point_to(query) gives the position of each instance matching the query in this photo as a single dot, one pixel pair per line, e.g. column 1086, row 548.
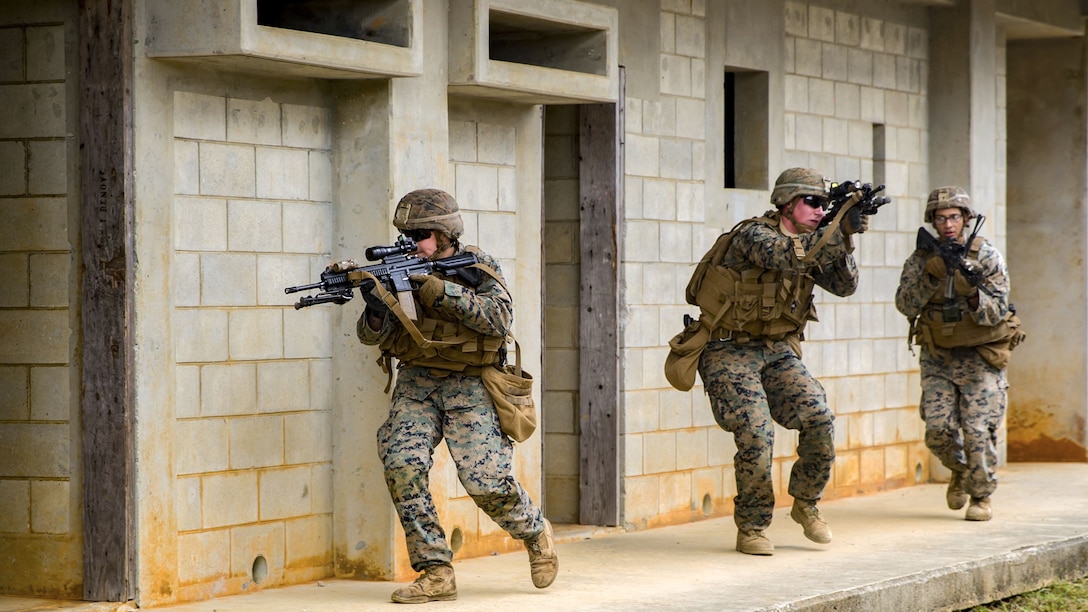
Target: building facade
column 173, row 429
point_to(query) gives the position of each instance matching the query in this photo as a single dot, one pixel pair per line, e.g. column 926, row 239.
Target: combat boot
column 754, row 542
column 436, row 583
column 808, row 516
column 543, row 558
column 956, row 496
column 979, row 510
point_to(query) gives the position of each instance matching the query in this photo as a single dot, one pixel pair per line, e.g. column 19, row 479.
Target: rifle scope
column 403, row 246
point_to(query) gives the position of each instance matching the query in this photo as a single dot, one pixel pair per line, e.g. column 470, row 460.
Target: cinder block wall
column 253, row 437
column 40, row 501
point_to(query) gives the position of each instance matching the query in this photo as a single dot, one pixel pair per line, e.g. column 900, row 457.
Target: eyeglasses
column 815, row 201
column 948, row 218
column 419, row 235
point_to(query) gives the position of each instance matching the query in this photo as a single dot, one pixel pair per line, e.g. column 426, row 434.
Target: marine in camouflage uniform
column 751, row 367
column 964, row 389
column 439, row 395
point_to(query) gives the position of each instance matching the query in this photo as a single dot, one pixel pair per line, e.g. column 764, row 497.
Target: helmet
column 795, row 182
column 429, row 209
column 948, row 197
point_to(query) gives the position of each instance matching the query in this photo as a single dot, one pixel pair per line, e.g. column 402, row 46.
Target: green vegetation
column 1059, row 597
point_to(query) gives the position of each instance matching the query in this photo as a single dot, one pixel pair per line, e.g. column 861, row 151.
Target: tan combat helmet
column 795, row 182
column 432, row 209
column 948, row 197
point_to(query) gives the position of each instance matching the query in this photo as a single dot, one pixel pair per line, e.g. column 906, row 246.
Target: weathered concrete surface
column 899, row 550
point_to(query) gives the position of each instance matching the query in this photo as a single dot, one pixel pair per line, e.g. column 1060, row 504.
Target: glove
column 374, row 303
column 431, row 289
column 854, row 222
column 965, row 280
column 935, row 267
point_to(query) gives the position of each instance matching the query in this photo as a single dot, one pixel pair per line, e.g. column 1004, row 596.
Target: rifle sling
column 850, row 203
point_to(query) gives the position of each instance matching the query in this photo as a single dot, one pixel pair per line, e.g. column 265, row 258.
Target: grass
column 1059, row 597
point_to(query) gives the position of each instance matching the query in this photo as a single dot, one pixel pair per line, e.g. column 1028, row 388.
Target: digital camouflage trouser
column 752, row 387
column 425, row 410
column 962, row 406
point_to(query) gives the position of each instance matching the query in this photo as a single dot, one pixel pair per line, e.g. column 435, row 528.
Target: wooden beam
column 600, row 400
column 105, row 140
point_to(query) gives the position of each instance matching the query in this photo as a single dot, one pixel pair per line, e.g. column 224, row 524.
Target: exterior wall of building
column 256, row 459
column 40, row 485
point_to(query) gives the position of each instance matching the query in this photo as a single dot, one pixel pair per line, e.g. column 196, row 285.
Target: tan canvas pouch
column 511, row 390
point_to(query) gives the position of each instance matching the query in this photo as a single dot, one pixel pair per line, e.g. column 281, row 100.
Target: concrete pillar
column 1048, row 224
column 962, row 101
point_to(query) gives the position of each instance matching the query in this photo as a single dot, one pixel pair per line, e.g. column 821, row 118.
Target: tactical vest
column 995, row 342
column 749, row 302
column 447, row 343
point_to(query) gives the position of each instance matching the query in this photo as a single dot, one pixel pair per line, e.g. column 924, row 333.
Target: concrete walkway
column 899, row 550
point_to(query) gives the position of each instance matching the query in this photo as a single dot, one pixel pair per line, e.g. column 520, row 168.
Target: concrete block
column 886, row 427
column 676, row 159
column 675, row 494
column 254, row 226
column 34, row 111
column 643, row 327
column 35, row 450
column 34, row 336
column 563, row 454
column 834, row 63
column 256, row 441
column 49, row 280
column 463, row 141
column 321, row 384
column 14, row 393
column 848, row 105
column 859, row 66
column 690, row 36
column 285, row 493
column 847, row 469
column 563, row 285
column 642, row 155
column 252, row 541
column 14, row 506
column 308, row 437
column 821, row 97
column 284, row 173
column 254, row 121
column 632, row 455
column 675, row 410
column 675, row 75
column 14, row 277
column 321, row 179
column 307, row 127
column 228, row 389
column 201, row 445
column 808, row 57
column 275, row 272
column 203, row 556
column 256, row 333
column 308, row 228
column 641, row 498
column 809, row 133
column 821, row 23
column 186, row 277
column 501, row 230
column 13, row 180
column 35, row 224
column 896, row 462
column 860, row 141
column 895, row 38
column 796, row 15
column 186, row 167
column 49, row 506
column 884, row 71
column 496, row 144
column 307, row 333
column 642, row 411
column 283, row 386
column 48, row 167
column 559, row 411
column 691, row 118
column 691, row 449
column 847, row 29
column 12, row 55
column 228, row 279
column 659, row 200
column 908, row 74
column 200, row 224
column 659, row 116
column 562, row 325
column 872, row 34
column 561, row 367
column 231, row 170
column 667, row 36
column 872, row 465
column 309, row 541
column 796, row 93
column 200, row 116
column 188, row 504
column 659, row 452
column 205, row 337
column 676, row 246
column 691, row 205
column 477, row 187
column 895, row 389
column 872, row 104
column 836, row 137
column 186, row 392
column 50, row 393
column 230, row 499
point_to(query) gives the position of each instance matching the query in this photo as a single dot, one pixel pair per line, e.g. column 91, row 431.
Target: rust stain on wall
column 1038, row 434
column 1045, row 448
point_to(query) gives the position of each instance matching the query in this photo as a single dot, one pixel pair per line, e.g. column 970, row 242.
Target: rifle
column 953, row 254
column 398, row 263
column 854, row 193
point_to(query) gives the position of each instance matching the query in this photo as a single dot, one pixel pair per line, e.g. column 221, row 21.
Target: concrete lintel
column 1029, row 19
